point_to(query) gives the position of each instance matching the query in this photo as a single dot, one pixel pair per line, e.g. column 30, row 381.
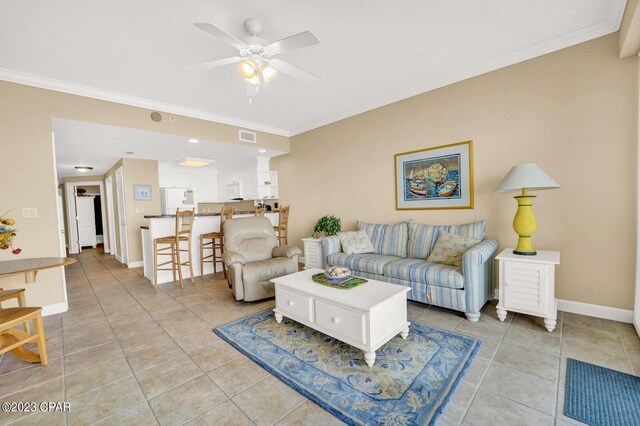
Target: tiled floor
column 126, row 353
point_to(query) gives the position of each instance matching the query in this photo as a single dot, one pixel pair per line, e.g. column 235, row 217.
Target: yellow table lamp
column 525, row 177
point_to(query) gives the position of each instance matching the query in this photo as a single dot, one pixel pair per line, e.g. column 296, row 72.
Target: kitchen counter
column 250, row 212
column 164, row 225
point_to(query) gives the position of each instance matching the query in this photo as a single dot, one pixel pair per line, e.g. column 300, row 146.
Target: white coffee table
column 366, row 317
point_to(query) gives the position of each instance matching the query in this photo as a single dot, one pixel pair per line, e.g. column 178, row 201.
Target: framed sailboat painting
column 435, row 178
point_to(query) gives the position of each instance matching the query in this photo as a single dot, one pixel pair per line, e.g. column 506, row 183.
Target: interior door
column 122, row 223
column 85, row 211
column 63, row 245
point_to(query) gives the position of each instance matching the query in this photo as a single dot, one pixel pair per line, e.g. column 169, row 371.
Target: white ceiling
column 101, row 146
column 371, row 52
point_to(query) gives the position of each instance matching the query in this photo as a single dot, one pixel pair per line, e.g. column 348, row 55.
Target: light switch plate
column 29, row 212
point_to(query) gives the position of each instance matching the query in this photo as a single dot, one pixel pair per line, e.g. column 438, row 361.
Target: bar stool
column 18, row 294
column 260, row 212
column 215, row 243
column 13, row 340
column 282, row 232
column 184, row 229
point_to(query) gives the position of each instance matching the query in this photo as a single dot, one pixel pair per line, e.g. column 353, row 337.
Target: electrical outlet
column 29, row 212
column 139, row 209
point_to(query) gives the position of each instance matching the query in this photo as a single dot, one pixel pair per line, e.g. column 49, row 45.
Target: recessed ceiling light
column 129, row 152
column 195, row 162
column 84, row 169
column 262, row 150
column 193, row 140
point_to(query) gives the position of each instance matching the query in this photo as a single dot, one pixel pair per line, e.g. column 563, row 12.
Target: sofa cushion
column 422, row 238
column 473, row 230
column 425, row 273
column 371, row 263
column 355, row 242
column 387, row 240
column 450, row 248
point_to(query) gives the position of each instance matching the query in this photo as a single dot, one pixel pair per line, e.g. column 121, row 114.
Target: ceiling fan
column 255, row 60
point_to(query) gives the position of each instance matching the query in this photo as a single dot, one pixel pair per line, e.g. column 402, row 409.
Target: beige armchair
column 253, row 257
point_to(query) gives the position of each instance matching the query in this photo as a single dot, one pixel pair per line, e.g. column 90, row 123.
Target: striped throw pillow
column 470, row 230
column 422, row 238
column 387, row 240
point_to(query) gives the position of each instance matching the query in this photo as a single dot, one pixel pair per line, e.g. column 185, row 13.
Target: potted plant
column 327, row 225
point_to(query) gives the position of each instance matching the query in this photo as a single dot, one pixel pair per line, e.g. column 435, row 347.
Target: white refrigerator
column 174, row 198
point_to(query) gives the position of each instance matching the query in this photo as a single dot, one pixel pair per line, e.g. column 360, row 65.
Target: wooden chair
column 260, row 212
column 14, row 340
column 184, row 229
column 18, row 294
column 216, row 243
column 283, row 225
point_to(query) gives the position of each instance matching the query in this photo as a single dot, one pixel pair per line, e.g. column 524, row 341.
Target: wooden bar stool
column 216, row 243
column 282, row 232
column 184, row 229
column 12, row 339
column 18, row 294
column 260, row 212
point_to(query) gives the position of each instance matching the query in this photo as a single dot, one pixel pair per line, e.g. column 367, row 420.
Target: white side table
column 312, row 253
column 527, row 285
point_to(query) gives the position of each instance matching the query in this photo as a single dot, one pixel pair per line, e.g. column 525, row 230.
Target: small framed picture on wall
column 142, row 192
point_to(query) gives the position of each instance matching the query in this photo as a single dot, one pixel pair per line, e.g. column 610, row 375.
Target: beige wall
column 139, row 172
column 574, row 112
column 25, row 132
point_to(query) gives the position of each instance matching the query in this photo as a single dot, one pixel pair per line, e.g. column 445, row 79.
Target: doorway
column 85, row 215
column 111, row 234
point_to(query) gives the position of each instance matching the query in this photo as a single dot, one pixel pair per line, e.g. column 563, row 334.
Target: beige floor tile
column 50, row 391
column 87, row 341
column 238, row 375
column 10, row 363
column 187, row 401
column 560, row 410
column 138, row 415
column 268, row 401
column 534, row 323
column 611, row 355
column 457, row 406
column 143, row 340
column 310, row 414
column 168, row 375
column 226, row 413
column 534, row 362
column 476, row 371
column 78, row 361
column 22, row 379
column 488, row 408
column 56, row 418
column 439, row 318
column 484, row 327
column 577, row 319
column 104, row 402
column 154, row 355
column 214, row 355
column 96, row 376
column 590, row 334
column 488, row 347
column 524, row 388
column 534, row 339
column 414, row 310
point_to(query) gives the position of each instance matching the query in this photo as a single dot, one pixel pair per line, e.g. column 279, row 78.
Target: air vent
column 248, row 136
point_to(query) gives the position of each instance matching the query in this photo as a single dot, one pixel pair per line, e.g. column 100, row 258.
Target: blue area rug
column 600, row 396
column 409, row 384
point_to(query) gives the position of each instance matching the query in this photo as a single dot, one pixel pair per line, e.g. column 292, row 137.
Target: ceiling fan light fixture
column 247, row 69
column 255, row 80
column 267, row 72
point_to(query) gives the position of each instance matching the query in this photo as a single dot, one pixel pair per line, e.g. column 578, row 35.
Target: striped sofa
column 399, row 253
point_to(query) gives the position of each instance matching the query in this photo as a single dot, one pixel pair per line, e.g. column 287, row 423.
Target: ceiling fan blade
column 217, row 32
column 294, row 71
column 293, row 42
column 215, row 64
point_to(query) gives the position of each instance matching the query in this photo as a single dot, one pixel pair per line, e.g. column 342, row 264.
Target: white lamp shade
column 529, row 176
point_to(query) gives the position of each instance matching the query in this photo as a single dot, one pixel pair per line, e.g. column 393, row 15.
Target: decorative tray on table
column 338, row 277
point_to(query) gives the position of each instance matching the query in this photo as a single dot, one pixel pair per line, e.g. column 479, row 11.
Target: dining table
column 29, row 268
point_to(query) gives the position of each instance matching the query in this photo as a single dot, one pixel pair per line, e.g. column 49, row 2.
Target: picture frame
column 435, row 178
column 142, row 192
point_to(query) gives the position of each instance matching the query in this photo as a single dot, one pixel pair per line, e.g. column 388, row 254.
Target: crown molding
column 120, row 98
column 600, row 29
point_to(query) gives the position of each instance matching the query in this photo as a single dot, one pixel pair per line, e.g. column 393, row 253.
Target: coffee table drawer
column 294, row 304
column 341, row 321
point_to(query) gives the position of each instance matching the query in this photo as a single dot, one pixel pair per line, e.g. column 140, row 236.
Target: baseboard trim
column 591, row 310
column 56, row 308
column 137, row 264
